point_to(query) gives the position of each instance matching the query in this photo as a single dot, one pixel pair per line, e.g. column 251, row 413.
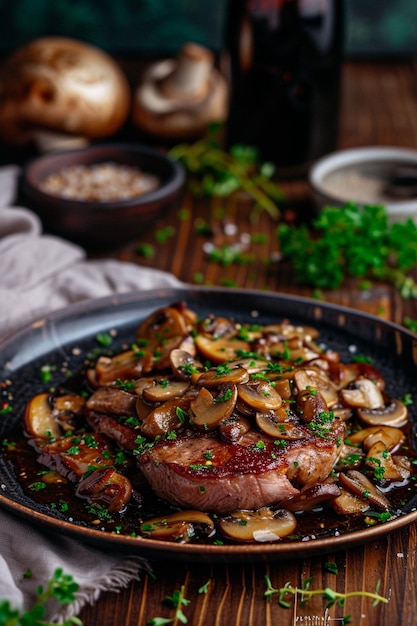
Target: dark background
column 151, row 28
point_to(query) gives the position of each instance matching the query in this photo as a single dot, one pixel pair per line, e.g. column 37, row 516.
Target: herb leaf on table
column 213, row 171
column 351, row 242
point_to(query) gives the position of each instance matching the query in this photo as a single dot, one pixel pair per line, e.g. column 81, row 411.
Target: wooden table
column 379, row 107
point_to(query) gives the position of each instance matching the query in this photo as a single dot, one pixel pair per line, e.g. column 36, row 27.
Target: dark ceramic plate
column 57, row 338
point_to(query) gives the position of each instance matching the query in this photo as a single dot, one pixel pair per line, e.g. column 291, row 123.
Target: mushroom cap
column 178, row 98
column 61, row 85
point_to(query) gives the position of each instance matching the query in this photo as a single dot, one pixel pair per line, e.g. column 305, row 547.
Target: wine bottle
column 285, row 60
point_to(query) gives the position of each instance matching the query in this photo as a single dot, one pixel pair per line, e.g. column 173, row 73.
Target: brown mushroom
column 38, row 419
column 311, row 497
column 263, row 525
column 184, row 364
column 56, row 88
column 363, row 393
column 178, row 98
column 106, row 487
column 359, row 485
column 128, row 365
column 223, row 374
column 166, row 418
column 310, row 403
column 380, row 461
column 260, row 396
column 310, row 378
column 391, row 437
column 219, row 350
column 179, row 527
column 393, row 413
column 163, row 388
column 209, row 411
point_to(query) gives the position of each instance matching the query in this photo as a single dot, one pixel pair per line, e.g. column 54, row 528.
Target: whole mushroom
column 178, row 98
column 55, row 87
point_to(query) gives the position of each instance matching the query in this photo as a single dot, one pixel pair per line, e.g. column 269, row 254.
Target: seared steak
column 202, row 472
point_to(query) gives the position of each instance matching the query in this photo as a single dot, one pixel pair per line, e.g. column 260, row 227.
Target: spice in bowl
column 99, row 182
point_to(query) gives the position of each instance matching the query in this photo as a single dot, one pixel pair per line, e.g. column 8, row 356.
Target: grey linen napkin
column 40, row 273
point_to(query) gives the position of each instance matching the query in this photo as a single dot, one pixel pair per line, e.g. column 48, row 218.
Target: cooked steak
column 202, row 472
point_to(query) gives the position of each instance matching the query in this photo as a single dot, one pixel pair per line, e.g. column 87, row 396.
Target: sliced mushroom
column 263, row 525
column 287, row 330
column 179, row 527
column 162, row 324
column 166, row 418
column 234, row 428
column 364, row 394
column 310, row 403
column 219, row 350
column 394, row 413
column 350, row 457
column 268, row 423
column 127, row 365
column 184, row 364
column 380, row 461
column 164, row 388
column 358, row 484
column 38, row 419
column 348, row 503
column 311, row 497
column 390, row 436
column 223, row 374
column 106, row 487
column 309, row 378
column 251, row 365
column 209, row 411
column 260, row 396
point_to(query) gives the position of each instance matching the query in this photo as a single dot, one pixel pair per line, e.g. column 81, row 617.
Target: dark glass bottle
column 285, row 71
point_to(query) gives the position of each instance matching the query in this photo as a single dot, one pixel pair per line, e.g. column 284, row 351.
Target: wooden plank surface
column 379, row 107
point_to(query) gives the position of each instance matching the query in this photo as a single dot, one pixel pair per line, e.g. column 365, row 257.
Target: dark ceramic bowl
column 98, row 224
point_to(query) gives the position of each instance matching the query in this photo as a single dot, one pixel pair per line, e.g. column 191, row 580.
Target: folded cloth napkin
column 40, row 273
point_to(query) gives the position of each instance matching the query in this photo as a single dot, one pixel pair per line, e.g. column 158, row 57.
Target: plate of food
column 214, row 424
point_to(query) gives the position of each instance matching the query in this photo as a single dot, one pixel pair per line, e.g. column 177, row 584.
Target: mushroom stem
column 190, row 79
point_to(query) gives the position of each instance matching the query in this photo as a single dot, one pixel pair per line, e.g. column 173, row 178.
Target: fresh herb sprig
column 352, row 241
column 61, row 586
column 213, row 171
column 304, row 593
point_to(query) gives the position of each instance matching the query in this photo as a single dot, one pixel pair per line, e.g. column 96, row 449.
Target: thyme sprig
column 331, row 596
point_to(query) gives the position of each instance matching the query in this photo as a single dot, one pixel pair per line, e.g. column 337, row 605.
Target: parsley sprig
column 61, row 586
column 213, row 171
column 352, row 242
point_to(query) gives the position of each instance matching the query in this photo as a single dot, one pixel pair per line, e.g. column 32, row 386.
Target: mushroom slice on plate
column 165, row 418
column 209, row 411
column 393, row 413
column 309, row 378
column 261, row 396
column 216, row 376
column 363, row 393
column 358, row 484
column 179, row 527
column 390, row 436
column 220, row 349
column 38, row 418
column 380, row 461
column 312, row 497
column 106, row 487
column 263, row 525
column 273, row 427
column 164, row 388
column 310, row 403
column 184, row 364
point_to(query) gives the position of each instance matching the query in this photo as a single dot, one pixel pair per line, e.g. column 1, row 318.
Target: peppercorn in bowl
column 103, row 195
